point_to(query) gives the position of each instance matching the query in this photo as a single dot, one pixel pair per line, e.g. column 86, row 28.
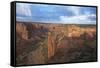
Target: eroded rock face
column 53, row 42
column 76, row 31
column 51, row 45
column 21, row 29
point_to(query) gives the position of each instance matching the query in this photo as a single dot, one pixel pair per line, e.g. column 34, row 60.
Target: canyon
column 40, row 43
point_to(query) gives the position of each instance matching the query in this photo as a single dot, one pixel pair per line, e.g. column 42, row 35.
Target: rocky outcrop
column 21, row 29
column 51, row 45
column 24, row 30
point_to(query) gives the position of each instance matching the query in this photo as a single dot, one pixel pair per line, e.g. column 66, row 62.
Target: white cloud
column 24, row 19
column 23, row 9
column 78, row 19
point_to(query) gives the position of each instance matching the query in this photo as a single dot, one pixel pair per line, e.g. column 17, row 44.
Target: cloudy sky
column 55, row 14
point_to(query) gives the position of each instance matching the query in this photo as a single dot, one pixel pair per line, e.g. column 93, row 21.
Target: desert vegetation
column 39, row 43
